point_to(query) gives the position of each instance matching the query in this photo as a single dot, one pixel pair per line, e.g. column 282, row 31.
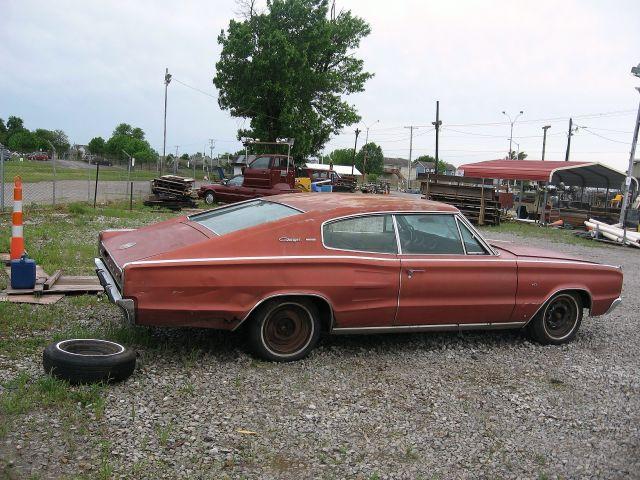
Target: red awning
column 581, row 174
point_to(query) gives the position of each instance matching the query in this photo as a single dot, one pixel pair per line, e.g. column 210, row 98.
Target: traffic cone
column 17, row 239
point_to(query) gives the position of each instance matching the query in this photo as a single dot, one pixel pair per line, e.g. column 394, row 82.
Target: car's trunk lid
column 149, row 241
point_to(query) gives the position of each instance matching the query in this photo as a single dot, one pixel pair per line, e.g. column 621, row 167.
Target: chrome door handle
column 411, row 271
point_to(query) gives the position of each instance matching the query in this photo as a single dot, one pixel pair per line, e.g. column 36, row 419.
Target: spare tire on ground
column 89, row 361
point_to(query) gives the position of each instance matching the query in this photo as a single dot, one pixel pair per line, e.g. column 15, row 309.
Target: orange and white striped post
column 17, row 239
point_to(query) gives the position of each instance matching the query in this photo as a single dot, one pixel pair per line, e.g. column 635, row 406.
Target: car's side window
column 471, row 244
column 429, row 234
column 261, row 162
column 372, row 233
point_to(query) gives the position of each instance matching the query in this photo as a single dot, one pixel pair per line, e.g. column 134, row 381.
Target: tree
column 131, row 140
column 3, row 132
column 97, row 146
column 23, row 141
column 443, row 166
column 184, row 156
column 286, row 68
column 57, row 138
column 14, row 125
column 123, row 129
column 340, row 156
column 517, row 156
column 374, row 156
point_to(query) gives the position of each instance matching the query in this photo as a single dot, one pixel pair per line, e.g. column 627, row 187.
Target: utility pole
column 355, row 146
column 167, row 80
column 212, row 144
column 175, row 161
column 569, row 135
column 511, row 132
column 437, row 124
column 366, row 151
column 411, row 129
column 626, row 199
column 544, row 139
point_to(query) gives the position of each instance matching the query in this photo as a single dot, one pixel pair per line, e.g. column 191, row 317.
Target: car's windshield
column 244, row 215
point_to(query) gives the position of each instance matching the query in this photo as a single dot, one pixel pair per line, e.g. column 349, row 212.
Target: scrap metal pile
column 173, row 192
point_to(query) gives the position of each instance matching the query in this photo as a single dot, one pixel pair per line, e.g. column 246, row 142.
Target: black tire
column 210, row 198
column 284, row 330
column 558, row 321
column 89, row 361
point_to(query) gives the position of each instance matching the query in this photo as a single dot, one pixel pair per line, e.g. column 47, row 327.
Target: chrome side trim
column 288, row 294
column 555, row 292
column 613, row 306
column 448, row 327
column 111, row 289
column 459, row 258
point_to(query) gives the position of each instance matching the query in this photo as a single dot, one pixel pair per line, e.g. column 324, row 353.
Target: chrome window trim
column 359, row 215
column 464, row 247
column 431, row 254
column 476, row 234
column 486, row 252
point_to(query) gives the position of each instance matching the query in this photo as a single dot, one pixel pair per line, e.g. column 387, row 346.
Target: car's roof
column 352, row 203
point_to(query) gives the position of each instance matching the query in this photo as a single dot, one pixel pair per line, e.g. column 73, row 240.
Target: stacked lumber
column 173, row 192
column 476, row 198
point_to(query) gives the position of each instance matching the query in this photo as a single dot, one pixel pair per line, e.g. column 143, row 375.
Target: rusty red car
column 266, row 175
column 288, row 267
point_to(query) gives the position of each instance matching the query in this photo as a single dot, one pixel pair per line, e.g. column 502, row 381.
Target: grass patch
column 41, row 171
column 24, row 394
column 525, row 230
column 66, row 237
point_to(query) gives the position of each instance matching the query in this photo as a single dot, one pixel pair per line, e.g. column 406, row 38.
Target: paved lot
column 472, row 405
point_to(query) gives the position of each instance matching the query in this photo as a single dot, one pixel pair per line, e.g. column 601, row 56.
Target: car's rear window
column 244, row 215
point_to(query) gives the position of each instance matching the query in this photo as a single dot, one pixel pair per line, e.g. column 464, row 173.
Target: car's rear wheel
column 559, row 320
column 284, row 330
column 210, row 198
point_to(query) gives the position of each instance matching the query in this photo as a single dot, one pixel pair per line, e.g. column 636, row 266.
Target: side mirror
column 243, row 169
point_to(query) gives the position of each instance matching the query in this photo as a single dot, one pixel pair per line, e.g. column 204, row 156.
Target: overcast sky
column 86, row 66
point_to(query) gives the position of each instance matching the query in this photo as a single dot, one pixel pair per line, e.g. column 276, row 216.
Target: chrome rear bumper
column 614, row 305
column 111, row 289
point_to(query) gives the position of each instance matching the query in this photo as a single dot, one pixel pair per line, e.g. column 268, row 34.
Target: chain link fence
column 57, row 181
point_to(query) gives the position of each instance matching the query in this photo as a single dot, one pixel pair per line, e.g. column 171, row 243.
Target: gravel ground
column 472, row 405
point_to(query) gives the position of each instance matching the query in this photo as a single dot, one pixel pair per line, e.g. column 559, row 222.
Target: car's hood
column 533, row 252
column 145, row 242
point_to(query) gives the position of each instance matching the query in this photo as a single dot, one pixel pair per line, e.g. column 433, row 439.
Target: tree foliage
column 18, row 138
column 443, row 166
column 340, row 156
column 97, row 146
column 517, row 155
column 131, row 140
column 286, row 69
column 3, row 132
column 374, row 158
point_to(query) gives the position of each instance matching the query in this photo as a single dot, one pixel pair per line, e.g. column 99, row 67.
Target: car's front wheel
column 284, row 330
column 210, row 198
column 559, row 320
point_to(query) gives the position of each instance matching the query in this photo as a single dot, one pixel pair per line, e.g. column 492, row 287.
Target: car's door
column 362, row 274
column 446, row 279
